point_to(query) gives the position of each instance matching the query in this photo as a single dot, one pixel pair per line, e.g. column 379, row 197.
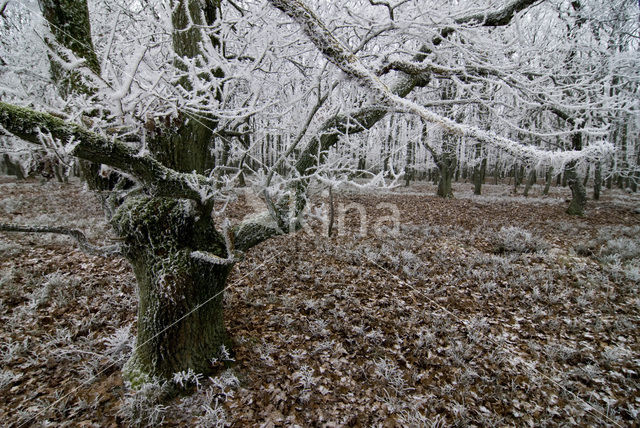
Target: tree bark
column 179, row 260
column 76, row 38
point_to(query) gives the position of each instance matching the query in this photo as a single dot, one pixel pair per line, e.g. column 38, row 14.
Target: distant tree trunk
column 578, row 193
column 531, row 179
column 516, row 178
column 635, row 178
column 521, row 175
column 478, row 176
column 547, row 181
column 12, row 168
column 586, row 176
column 362, row 164
column 332, row 213
column 446, row 164
column 597, row 181
column 241, row 179
column 409, row 160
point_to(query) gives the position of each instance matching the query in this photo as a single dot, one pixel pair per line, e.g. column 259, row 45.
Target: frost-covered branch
column 28, row 125
column 349, row 63
column 81, row 239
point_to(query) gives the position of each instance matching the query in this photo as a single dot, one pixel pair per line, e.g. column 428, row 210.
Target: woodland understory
column 492, row 310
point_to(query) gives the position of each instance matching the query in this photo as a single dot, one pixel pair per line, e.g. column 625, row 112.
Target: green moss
column 133, row 373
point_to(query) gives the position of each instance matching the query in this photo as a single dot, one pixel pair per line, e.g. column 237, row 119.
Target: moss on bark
column 180, row 313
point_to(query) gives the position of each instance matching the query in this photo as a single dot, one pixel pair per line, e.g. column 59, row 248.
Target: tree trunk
column 597, row 181
column 180, row 316
column 578, row 194
column 548, row 179
column 11, row 168
column 530, row 181
column 70, row 27
column 478, row 176
column 447, row 165
column 408, row 168
column 586, row 176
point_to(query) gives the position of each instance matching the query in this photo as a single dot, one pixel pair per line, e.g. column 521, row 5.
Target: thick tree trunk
column 173, row 250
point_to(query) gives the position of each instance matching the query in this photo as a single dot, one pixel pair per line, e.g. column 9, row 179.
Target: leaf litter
column 485, row 311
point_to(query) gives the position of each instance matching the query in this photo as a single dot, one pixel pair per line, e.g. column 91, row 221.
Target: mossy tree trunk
column 171, row 243
column 408, row 163
column 180, row 316
column 76, row 38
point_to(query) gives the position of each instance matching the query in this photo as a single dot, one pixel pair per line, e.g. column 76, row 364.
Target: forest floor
column 493, row 310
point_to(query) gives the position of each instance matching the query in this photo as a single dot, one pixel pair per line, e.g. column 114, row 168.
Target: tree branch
column 83, row 243
column 496, row 18
column 499, row 17
column 29, row 125
column 365, row 118
column 339, row 55
column 256, row 230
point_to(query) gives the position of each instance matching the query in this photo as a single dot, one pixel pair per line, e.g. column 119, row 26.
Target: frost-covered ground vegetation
column 484, row 311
